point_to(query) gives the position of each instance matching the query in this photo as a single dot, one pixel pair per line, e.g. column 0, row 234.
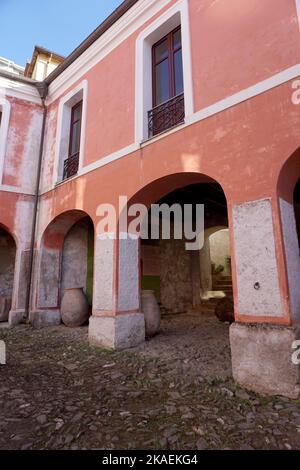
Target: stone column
column 17, row 313
column 262, row 338
column 117, row 322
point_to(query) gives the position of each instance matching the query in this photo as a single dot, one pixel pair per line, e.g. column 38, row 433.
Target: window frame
column 177, row 14
column 72, row 123
column 80, row 93
column 170, row 58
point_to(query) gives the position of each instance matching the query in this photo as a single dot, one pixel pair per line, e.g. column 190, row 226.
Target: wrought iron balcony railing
column 166, row 115
column 71, row 165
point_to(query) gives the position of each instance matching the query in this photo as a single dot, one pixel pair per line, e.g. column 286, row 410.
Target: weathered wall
column 256, row 263
column 49, row 148
column 176, row 279
column 230, row 146
column 261, row 359
column 254, row 40
column 74, row 258
column 16, row 214
column 150, row 256
column 22, row 152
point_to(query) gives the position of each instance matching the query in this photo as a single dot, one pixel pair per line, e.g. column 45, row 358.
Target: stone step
column 222, row 283
column 220, row 287
column 226, row 291
column 210, row 302
column 226, row 278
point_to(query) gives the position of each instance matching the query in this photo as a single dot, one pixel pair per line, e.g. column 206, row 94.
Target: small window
column 71, row 163
column 167, row 73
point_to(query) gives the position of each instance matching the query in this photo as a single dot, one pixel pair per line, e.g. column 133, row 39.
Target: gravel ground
column 173, row 392
column 193, row 344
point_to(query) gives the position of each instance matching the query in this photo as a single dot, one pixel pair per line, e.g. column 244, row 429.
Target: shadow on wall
column 7, row 269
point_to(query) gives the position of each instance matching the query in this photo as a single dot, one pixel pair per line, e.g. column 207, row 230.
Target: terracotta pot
column 151, row 311
column 74, row 307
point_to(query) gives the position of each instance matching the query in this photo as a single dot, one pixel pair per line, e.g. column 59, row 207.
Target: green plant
column 217, row 269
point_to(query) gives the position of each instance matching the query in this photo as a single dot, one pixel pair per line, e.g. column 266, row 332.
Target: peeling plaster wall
column 49, row 148
column 63, row 257
column 74, row 258
column 23, row 222
column 20, row 166
column 255, row 258
column 292, row 256
column 44, row 218
column 21, row 279
column 49, row 275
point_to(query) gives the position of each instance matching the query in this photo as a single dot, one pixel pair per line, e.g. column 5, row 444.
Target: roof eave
column 102, row 28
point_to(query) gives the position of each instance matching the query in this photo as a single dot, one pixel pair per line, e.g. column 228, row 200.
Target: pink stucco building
column 187, row 100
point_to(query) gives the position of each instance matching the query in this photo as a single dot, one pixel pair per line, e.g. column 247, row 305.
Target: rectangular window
column 72, row 162
column 167, row 77
column 167, row 68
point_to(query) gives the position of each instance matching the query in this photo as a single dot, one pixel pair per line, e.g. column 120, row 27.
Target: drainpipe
column 43, row 91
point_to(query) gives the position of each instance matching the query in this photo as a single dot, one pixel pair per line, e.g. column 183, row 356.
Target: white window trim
column 5, row 108
column 298, row 11
column 63, row 129
column 177, row 15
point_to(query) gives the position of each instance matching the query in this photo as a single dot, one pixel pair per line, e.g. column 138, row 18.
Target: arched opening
column 296, row 201
column 7, row 271
column 215, row 262
column 288, row 189
column 177, row 274
column 66, row 262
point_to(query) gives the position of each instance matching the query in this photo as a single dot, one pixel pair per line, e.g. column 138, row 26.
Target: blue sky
column 59, row 25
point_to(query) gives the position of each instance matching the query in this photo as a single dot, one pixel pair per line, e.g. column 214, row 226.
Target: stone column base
column 16, row 317
column 119, row 332
column 262, row 359
column 44, row 318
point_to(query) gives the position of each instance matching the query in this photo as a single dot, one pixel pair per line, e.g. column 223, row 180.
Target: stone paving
column 173, row 392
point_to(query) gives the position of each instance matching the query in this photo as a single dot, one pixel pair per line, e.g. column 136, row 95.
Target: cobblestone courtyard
column 173, row 392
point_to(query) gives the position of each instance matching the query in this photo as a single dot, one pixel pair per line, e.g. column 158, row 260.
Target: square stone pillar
column 117, row 322
column 262, row 358
column 262, row 339
column 258, row 286
column 17, row 313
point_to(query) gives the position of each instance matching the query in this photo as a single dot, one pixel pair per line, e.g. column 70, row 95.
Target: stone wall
column 74, row 258
column 176, row 279
column 7, row 264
